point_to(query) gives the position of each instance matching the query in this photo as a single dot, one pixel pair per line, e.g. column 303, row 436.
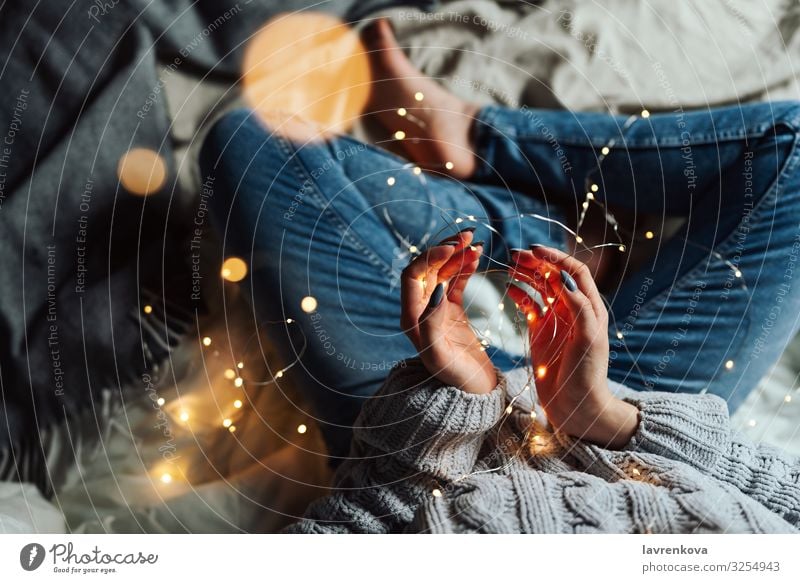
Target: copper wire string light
column 536, row 436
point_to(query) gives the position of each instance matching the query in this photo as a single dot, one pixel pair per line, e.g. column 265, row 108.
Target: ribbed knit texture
column 430, row 458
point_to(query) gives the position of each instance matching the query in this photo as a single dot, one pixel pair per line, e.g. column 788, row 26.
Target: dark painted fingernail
column 479, row 244
column 468, row 230
column 448, row 244
column 568, row 282
column 437, row 296
column 534, row 246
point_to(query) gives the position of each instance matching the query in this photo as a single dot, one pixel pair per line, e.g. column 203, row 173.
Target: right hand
column 569, row 348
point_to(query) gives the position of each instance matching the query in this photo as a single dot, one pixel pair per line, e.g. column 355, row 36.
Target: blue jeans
column 321, row 220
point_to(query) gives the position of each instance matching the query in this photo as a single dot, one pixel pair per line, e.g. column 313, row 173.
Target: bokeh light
column 306, row 75
column 142, row 171
column 308, row 304
column 233, row 269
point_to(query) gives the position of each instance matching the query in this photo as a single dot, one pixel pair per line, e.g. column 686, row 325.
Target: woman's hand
column 569, row 348
column 433, row 315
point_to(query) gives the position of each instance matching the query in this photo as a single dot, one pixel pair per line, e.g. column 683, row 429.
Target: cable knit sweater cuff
column 427, row 426
column 693, row 429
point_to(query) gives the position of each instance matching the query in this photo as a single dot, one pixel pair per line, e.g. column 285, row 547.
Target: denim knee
column 232, row 143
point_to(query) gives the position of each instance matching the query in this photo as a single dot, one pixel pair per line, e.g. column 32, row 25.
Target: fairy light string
column 534, row 440
column 536, row 436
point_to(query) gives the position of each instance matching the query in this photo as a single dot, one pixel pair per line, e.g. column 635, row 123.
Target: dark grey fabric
column 79, row 81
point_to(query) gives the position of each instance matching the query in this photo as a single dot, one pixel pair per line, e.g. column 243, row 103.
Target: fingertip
column 475, row 249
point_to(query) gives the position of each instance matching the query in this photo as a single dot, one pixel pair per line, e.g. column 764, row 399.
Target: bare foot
column 432, row 124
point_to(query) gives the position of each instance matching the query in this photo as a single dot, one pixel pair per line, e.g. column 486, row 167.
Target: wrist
column 483, row 385
column 618, row 427
column 611, row 423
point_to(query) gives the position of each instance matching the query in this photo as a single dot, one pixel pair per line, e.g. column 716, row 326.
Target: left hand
column 433, row 315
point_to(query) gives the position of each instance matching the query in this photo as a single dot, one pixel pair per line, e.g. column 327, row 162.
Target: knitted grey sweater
column 429, row 458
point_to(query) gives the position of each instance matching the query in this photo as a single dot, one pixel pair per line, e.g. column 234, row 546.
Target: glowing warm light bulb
column 233, row 269
column 279, row 374
column 229, row 374
column 308, row 304
column 649, row 235
column 541, row 371
column 729, row 364
column 227, row 422
column 148, row 309
column 232, row 428
column 509, row 410
column 413, row 249
column 645, row 114
column 547, row 274
column 390, row 181
column 141, row 171
column 636, row 472
column 533, row 414
column 302, row 428
column 161, row 401
column 585, row 204
column 402, row 111
column 240, row 365
column 501, row 306
column 184, row 416
column 578, row 239
column 417, row 170
column 594, row 188
column 289, row 320
column 459, row 220
column 788, row 398
column 419, row 96
column 551, row 300
column 399, row 135
column 449, row 165
column 619, row 334
column 436, row 493
column 530, row 317
column 207, row 341
column 589, row 196
column 737, row 273
column 752, row 423
column 605, row 150
column 237, row 404
column 166, row 478
column 238, row 382
column 621, row 248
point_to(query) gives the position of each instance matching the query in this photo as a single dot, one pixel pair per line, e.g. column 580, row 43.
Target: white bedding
column 615, row 55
